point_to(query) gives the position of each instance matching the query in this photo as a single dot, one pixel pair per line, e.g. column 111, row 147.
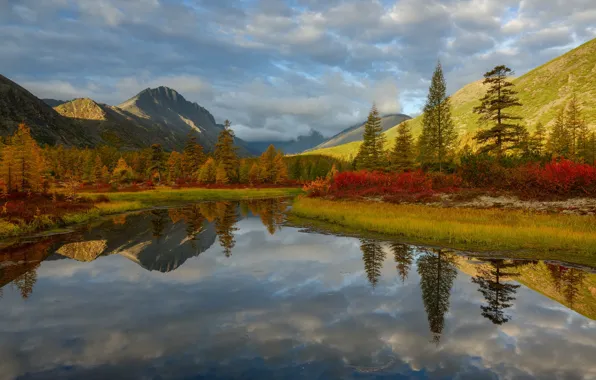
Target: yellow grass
column 474, row 229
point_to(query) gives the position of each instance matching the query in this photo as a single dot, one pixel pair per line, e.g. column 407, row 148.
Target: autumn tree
column 254, row 174
column 370, row 153
column 538, row 140
column 221, row 176
column 438, row 135
column 402, row 155
column 225, row 226
column 207, row 174
column 281, row 170
column 574, row 125
column 192, row 157
column 225, row 152
column 122, row 173
column 22, row 162
column 174, row 167
column 97, row 169
column 243, row 173
column 500, row 96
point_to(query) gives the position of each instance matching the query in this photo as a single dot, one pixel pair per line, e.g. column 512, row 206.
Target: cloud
column 266, row 64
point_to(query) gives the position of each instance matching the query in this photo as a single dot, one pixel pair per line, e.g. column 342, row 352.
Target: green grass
column 125, row 202
column 511, row 233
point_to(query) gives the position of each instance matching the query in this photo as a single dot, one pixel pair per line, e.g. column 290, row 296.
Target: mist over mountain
column 297, row 145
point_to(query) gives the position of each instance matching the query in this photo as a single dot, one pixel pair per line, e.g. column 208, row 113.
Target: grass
column 133, row 201
column 517, row 234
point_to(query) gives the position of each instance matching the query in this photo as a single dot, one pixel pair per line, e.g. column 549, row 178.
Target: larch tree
column 225, row 152
column 27, row 161
column 254, row 174
column 208, row 171
column 402, row 155
column 122, row 173
column 574, row 126
column 438, row 136
column 370, row 153
column 281, row 170
column 221, row 176
column 174, row 166
column 559, row 140
column 97, row 169
column 267, row 167
column 538, row 139
column 493, row 109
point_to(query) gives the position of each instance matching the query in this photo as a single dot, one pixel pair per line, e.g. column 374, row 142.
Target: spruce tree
column 438, row 135
column 402, row 155
column 156, row 162
column 499, row 97
column 370, row 154
column 538, row 140
column 225, row 152
column 573, row 124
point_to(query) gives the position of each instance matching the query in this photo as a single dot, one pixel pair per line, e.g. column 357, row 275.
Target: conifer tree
column 370, row 153
column 174, row 167
column 281, row 171
column 28, row 163
column 559, row 141
column 592, row 148
column 438, row 135
column 8, row 168
column 192, row 157
column 573, row 124
column 221, row 176
column 105, row 174
column 402, row 155
column 373, row 257
column 97, row 170
column 537, row 142
column 500, row 96
column 207, row 173
column 268, row 170
column 243, row 175
column 156, row 162
column 225, row 152
column 254, row 174
column 296, row 169
column 122, row 172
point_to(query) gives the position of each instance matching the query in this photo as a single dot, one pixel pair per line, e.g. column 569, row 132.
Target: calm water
column 222, row 290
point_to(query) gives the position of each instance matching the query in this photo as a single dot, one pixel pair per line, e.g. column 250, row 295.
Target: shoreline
column 507, row 233
column 125, row 202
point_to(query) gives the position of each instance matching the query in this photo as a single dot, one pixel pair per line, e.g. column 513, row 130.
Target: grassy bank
column 521, row 234
column 125, row 202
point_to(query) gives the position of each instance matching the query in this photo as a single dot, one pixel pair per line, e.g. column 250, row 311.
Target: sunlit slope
column 543, row 91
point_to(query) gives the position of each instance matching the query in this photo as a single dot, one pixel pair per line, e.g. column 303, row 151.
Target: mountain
column 297, row 145
column 165, row 109
column 542, row 91
column 18, row 105
column 355, row 132
column 54, row 102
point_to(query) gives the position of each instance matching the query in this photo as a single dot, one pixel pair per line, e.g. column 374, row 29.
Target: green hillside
column 543, row 91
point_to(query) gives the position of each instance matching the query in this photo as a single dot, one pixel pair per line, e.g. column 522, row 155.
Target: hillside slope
column 543, row 91
column 18, row 105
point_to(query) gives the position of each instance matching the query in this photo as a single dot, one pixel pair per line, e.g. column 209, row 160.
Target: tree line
column 502, row 138
column 27, row 167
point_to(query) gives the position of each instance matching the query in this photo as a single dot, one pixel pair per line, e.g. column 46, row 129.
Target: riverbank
column 513, row 233
column 96, row 205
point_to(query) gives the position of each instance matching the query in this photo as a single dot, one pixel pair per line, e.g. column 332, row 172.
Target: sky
column 278, row 69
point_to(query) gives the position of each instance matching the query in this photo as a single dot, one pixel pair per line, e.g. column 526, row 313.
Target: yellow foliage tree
column 221, row 176
column 207, row 174
column 122, row 173
column 23, row 164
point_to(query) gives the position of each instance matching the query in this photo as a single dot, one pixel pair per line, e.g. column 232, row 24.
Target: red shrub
column 566, row 178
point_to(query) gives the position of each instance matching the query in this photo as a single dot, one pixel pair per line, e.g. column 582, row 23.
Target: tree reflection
column 404, row 256
column 193, row 219
column 373, row 257
column 271, row 212
column 18, row 265
column 498, row 294
column 158, row 223
column 225, row 225
column 567, row 282
column 437, row 272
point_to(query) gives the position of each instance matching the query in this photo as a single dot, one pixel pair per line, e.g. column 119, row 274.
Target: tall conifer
column 225, row 152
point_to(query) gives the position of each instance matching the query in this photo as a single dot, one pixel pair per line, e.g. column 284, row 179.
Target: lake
column 227, row 290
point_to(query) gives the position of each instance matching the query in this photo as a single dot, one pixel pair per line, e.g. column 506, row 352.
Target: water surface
column 224, row 290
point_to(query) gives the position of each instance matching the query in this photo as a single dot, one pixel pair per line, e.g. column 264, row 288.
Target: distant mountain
column 54, row 102
column 298, row 145
column 355, row 132
column 172, row 113
column 154, row 116
column 18, row 105
column 542, row 91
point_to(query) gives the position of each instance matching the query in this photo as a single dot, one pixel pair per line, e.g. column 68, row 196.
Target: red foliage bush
column 392, row 186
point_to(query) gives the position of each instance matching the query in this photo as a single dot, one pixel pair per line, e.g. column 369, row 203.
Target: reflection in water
column 373, row 257
column 567, row 282
column 404, row 257
column 497, row 291
column 292, row 305
column 437, row 272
